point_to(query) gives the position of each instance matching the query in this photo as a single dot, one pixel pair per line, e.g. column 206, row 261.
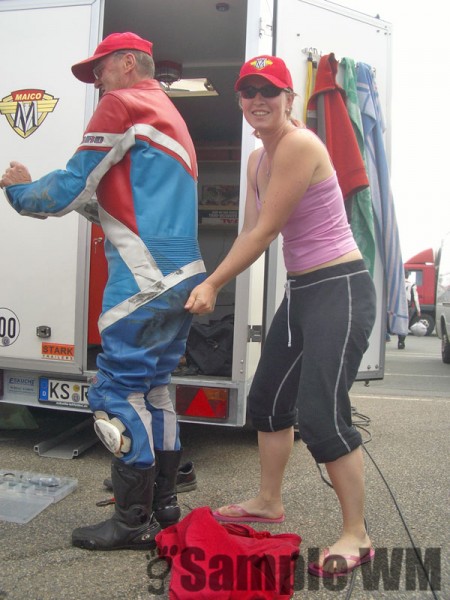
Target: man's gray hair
column 145, row 63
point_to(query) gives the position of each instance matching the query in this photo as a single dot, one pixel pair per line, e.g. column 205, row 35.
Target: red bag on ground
column 213, row 561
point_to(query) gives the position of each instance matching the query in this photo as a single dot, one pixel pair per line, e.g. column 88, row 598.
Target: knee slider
column 110, row 432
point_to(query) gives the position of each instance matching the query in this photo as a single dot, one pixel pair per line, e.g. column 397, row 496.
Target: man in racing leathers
column 138, row 157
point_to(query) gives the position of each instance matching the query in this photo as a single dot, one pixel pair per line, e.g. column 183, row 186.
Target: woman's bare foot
column 337, row 559
column 255, row 507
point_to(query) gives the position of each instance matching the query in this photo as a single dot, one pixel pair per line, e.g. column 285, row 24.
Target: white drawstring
column 287, row 287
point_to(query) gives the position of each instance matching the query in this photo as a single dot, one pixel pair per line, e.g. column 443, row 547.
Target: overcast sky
column 420, row 169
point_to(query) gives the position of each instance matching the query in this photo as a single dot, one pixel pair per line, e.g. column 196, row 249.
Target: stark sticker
column 58, row 351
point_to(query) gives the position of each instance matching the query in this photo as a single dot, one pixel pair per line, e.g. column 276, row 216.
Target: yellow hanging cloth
column 310, row 82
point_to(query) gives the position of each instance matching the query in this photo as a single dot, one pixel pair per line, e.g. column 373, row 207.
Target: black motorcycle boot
column 165, row 504
column 186, row 479
column 132, row 525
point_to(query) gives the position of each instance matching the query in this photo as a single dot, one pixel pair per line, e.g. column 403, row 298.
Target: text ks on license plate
column 66, row 393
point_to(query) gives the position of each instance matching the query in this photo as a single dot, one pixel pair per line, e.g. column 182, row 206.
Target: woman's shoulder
column 303, row 150
column 301, row 136
column 255, row 158
column 257, row 154
column 302, row 142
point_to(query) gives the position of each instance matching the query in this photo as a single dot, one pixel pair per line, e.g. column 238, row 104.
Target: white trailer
column 52, row 270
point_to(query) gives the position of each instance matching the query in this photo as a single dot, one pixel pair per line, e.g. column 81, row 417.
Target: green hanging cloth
column 362, row 220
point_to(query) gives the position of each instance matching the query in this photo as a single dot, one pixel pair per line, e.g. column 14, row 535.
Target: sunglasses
column 267, row 91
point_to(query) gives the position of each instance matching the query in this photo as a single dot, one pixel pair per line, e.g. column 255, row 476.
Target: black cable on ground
column 413, row 544
column 366, row 421
column 362, row 422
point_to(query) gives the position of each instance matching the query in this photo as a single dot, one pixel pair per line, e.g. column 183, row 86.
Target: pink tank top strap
column 263, row 153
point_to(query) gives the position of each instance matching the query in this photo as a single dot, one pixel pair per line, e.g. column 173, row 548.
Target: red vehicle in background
column 422, row 269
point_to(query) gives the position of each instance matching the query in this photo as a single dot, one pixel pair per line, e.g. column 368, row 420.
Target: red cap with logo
column 271, row 68
column 111, row 43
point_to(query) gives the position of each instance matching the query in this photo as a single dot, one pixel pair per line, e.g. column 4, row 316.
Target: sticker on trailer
column 9, row 327
column 64, row 393
column 21, row 384
column 26, row 110
column 58, row 351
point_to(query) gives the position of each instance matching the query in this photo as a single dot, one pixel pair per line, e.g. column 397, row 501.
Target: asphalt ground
column 405, row 421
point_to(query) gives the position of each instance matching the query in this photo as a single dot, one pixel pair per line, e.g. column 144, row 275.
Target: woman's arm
column 295, row 162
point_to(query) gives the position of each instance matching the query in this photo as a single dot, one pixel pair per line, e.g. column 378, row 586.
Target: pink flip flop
column 244, row 516
column 318, row 571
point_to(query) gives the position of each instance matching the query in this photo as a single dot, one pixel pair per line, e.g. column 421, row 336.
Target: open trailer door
column 43, row 111
column 314, row 28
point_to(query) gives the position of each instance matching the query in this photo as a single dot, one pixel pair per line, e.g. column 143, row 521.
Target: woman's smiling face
column 264, row 112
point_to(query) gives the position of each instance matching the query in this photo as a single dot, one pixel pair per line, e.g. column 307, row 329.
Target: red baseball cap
column 111, row 43
column 271, row 68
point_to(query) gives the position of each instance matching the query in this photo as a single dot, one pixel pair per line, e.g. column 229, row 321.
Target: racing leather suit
column 138, row 157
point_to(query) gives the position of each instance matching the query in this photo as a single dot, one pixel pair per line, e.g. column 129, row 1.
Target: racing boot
column 132, row 525
column 186, row 479
column 165, row 505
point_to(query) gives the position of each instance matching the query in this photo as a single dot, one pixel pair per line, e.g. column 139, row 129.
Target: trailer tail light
column 204, row 402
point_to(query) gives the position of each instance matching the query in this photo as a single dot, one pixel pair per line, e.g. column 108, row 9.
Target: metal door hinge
column 254, row 333
column 43, row 331
column 265, row 28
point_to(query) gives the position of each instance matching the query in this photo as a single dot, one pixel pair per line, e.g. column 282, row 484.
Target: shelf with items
column 218, row 217
column 218, row 154
column 219, row 205
column 218, row 186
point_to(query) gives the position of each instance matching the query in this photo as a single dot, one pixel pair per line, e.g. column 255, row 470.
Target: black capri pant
column 311, row 357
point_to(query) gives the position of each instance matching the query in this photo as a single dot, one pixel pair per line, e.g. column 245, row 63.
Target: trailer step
column 70, row 443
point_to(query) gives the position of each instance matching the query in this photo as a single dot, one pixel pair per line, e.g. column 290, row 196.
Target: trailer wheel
column 428, row 321
column 445, row 347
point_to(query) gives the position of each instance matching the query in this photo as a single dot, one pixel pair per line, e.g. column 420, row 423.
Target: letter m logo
column 26, row 118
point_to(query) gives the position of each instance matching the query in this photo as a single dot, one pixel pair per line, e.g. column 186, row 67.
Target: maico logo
column 261, row 63
column 26, row 110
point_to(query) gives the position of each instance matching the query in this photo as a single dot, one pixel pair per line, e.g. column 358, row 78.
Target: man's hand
column 16, row 173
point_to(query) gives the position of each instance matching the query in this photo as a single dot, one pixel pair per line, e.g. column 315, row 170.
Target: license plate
column 64, row 393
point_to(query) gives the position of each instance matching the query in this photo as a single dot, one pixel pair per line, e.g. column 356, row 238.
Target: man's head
column 119, row 61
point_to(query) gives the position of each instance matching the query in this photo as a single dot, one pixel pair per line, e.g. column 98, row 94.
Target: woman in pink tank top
column 320, row 332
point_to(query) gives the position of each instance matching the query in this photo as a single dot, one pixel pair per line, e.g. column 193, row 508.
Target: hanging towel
column 328, row 117
column 362, row 221
column 383, row 205
column 213, row 561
